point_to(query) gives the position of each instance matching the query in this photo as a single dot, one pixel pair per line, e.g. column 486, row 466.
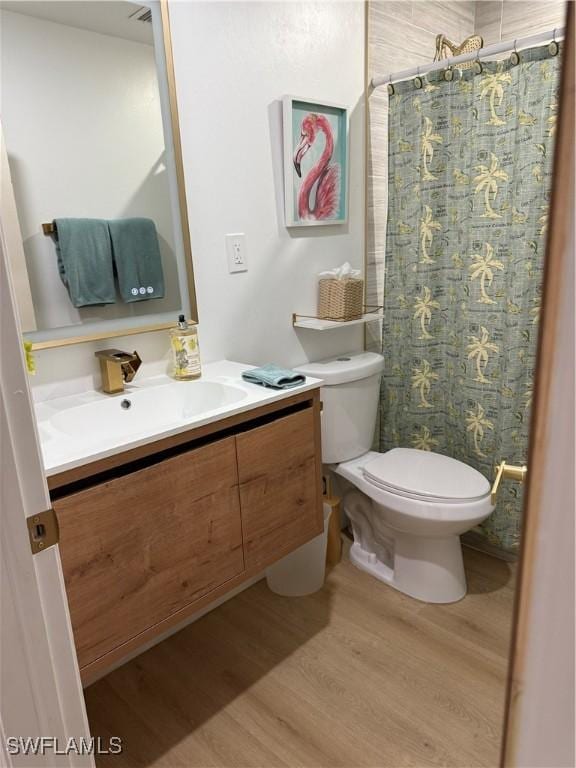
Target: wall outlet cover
column 236, row 252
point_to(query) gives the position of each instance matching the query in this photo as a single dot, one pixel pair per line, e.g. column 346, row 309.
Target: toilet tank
column 350, row 396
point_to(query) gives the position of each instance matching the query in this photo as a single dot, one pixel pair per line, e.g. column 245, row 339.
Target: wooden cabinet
column 280, row 494
column 146, row 543
column 139, row 548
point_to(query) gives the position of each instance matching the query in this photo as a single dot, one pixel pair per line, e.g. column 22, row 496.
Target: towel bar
column 49, row 228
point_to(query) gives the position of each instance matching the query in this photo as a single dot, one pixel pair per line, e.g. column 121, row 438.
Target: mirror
column 92, row 148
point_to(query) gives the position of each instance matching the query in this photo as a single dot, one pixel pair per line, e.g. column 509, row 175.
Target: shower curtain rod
column 490, row 50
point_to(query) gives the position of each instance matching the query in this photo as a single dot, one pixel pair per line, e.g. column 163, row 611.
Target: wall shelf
column 316, row 324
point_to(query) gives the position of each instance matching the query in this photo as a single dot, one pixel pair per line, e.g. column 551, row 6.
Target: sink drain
column 126, row 404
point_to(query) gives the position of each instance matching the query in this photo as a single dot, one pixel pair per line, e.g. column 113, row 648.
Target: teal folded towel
column 136, row 254
column 85, row 264
column 272, row 376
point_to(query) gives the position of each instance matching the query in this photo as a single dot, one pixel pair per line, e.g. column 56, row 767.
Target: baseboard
column 476, row 541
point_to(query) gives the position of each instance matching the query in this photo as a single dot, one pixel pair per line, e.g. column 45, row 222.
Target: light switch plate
column 236, row 252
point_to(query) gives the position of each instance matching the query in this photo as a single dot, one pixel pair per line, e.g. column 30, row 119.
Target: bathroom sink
column 88, row 425
column 144, row 411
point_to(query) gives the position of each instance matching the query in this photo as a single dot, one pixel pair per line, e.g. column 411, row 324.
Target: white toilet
column 407, row 507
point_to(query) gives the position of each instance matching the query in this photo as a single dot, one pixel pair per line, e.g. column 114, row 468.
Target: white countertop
column 83, row 428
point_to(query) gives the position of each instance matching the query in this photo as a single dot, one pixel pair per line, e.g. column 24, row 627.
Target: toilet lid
column 426, row 475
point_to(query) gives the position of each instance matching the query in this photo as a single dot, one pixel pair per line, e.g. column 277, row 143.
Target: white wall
column 83, row 129
column 234, row 62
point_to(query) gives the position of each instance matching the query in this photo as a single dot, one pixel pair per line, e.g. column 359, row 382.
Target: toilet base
column 426, row 568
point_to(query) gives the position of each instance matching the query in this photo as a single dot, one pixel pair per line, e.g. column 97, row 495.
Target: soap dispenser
column 185, row 350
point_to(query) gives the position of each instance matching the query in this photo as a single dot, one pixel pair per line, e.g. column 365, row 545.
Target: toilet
column 407, row 507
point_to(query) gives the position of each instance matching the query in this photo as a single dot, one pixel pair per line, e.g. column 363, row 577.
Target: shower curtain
column 469, row 186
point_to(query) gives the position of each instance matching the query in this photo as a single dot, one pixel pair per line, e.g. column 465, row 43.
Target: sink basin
column 84, row 426
column 144, row 411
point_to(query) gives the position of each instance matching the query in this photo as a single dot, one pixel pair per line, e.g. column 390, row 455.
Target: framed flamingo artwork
column 315, row 162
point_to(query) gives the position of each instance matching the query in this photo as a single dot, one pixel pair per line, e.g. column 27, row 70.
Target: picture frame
column 316, row 156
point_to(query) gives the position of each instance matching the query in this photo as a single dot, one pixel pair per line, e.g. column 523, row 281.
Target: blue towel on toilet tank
column 136, row 254
column 85, row 265
column 274, row 377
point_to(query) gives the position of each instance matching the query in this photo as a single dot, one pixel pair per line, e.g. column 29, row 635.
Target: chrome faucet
column 116, row 368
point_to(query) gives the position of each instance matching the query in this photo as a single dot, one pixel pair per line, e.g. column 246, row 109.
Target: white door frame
column 540, row 707
column 40, row 688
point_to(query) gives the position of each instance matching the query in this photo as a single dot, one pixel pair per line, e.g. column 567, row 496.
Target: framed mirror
column 91, row 157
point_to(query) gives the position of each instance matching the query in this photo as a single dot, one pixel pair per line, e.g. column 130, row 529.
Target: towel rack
column 49, row 228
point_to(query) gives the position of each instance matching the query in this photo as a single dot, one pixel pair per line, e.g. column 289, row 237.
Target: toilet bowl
column 407, row 519
column 407, row 507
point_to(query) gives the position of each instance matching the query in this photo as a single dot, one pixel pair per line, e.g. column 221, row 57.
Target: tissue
column 345, row 272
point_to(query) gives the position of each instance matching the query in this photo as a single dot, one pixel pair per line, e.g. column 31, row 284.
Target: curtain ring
column 515, row 56
column 553, row 48
column 418, row 79
column 390, row 87
column 478, row 65
column 448, row 74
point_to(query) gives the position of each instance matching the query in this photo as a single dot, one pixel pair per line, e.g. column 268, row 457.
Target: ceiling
column 107, row 17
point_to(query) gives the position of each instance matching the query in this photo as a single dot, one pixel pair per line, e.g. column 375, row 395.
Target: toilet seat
column 404, row 512
column 425, row 476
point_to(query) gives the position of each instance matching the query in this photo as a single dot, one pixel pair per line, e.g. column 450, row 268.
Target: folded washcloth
column 85, row 260
column 272, row 376
column 137, row 258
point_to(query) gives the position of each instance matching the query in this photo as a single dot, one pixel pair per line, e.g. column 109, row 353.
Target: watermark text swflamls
column 44, row 745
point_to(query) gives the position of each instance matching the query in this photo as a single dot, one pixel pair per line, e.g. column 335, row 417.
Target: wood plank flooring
column 355, row 675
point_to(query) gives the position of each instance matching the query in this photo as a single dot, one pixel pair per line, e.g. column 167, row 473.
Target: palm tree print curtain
column 469, row 184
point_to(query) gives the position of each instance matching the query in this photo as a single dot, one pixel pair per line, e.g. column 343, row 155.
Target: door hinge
column 43, row 530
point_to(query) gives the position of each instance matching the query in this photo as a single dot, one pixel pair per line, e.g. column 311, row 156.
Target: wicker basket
column 340, row 299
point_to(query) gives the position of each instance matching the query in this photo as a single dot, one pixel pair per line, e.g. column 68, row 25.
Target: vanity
column 176, row 493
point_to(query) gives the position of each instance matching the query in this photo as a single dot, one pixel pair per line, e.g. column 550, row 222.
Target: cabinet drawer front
column 140, row 547
column 279, row 472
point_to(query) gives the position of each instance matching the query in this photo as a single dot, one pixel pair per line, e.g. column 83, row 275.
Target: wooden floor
column 355, row 675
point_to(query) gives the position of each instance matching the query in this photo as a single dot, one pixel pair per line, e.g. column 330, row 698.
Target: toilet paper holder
column 506, row 471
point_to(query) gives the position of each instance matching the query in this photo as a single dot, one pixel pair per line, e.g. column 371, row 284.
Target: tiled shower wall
column 402, row 35
column 509, row 19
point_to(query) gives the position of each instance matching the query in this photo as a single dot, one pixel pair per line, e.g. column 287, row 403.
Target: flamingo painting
column 317, row 154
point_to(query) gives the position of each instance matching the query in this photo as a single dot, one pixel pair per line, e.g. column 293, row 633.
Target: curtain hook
column 390, row 87
column 515, row 56
column 448, row 74
column 553, row 48
column 478, row 64
column 418, row 79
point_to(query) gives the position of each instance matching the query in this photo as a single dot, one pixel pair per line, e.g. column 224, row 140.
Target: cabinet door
column 279, row 469
column 140, row 547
